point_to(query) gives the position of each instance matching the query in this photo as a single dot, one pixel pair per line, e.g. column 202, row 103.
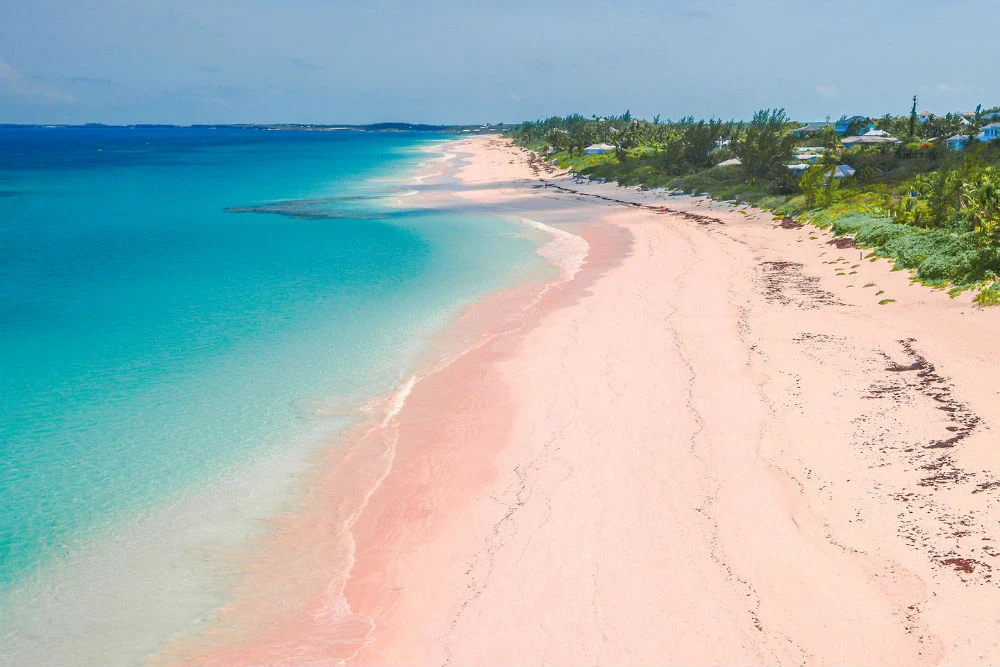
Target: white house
column 598, row 149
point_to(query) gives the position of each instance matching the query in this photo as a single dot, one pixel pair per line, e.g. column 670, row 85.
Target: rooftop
column 869, row 139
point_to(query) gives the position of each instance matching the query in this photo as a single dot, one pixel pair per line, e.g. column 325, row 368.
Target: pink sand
column 712, row 445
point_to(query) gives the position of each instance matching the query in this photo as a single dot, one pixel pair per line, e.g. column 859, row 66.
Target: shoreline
column 150, row 569
column 713, row 444
column 350, row 462
column 204, row 537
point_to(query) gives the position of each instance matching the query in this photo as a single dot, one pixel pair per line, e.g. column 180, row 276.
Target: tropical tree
column 699, row 141
column 976, row 125
column 670, row 157
column 981, row 196
column 765, row 146
column 559, row 139
column 943, row 190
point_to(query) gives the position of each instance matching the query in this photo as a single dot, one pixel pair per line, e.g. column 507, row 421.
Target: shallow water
column 183, row 312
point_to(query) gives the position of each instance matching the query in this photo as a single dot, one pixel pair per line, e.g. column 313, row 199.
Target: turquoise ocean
column 178, row 303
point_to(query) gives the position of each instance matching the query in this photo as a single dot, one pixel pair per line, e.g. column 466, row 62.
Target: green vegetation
column 928, row 209
column 989, row 296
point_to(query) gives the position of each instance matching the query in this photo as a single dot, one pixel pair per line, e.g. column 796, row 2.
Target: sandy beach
column 717, row 438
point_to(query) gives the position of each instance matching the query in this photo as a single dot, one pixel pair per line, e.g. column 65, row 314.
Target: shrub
column 989, row 296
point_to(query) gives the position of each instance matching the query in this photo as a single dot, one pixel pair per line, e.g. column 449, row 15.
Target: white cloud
column 828, row 90
column 951, row 88
column 16, row 84
column 514, row 96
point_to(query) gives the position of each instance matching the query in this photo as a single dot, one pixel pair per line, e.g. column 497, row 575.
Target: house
column 797, row 168
column 808, row 130
column 868, row 140
column 844, row 124
column 598, row 149
column 875, row 133
column 958, row 142
column 923, row 116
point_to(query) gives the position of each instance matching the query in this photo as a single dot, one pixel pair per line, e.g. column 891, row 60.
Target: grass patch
column 989, row 296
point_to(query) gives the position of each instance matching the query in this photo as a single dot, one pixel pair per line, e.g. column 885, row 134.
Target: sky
column 450, row 61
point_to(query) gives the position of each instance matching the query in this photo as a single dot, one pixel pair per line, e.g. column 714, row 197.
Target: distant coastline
column 486, row 128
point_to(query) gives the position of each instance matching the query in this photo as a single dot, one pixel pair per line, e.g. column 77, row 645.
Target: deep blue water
column 172, row 300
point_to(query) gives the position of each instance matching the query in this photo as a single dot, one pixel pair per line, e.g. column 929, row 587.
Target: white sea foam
column 566, row 251
column 398, row 399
